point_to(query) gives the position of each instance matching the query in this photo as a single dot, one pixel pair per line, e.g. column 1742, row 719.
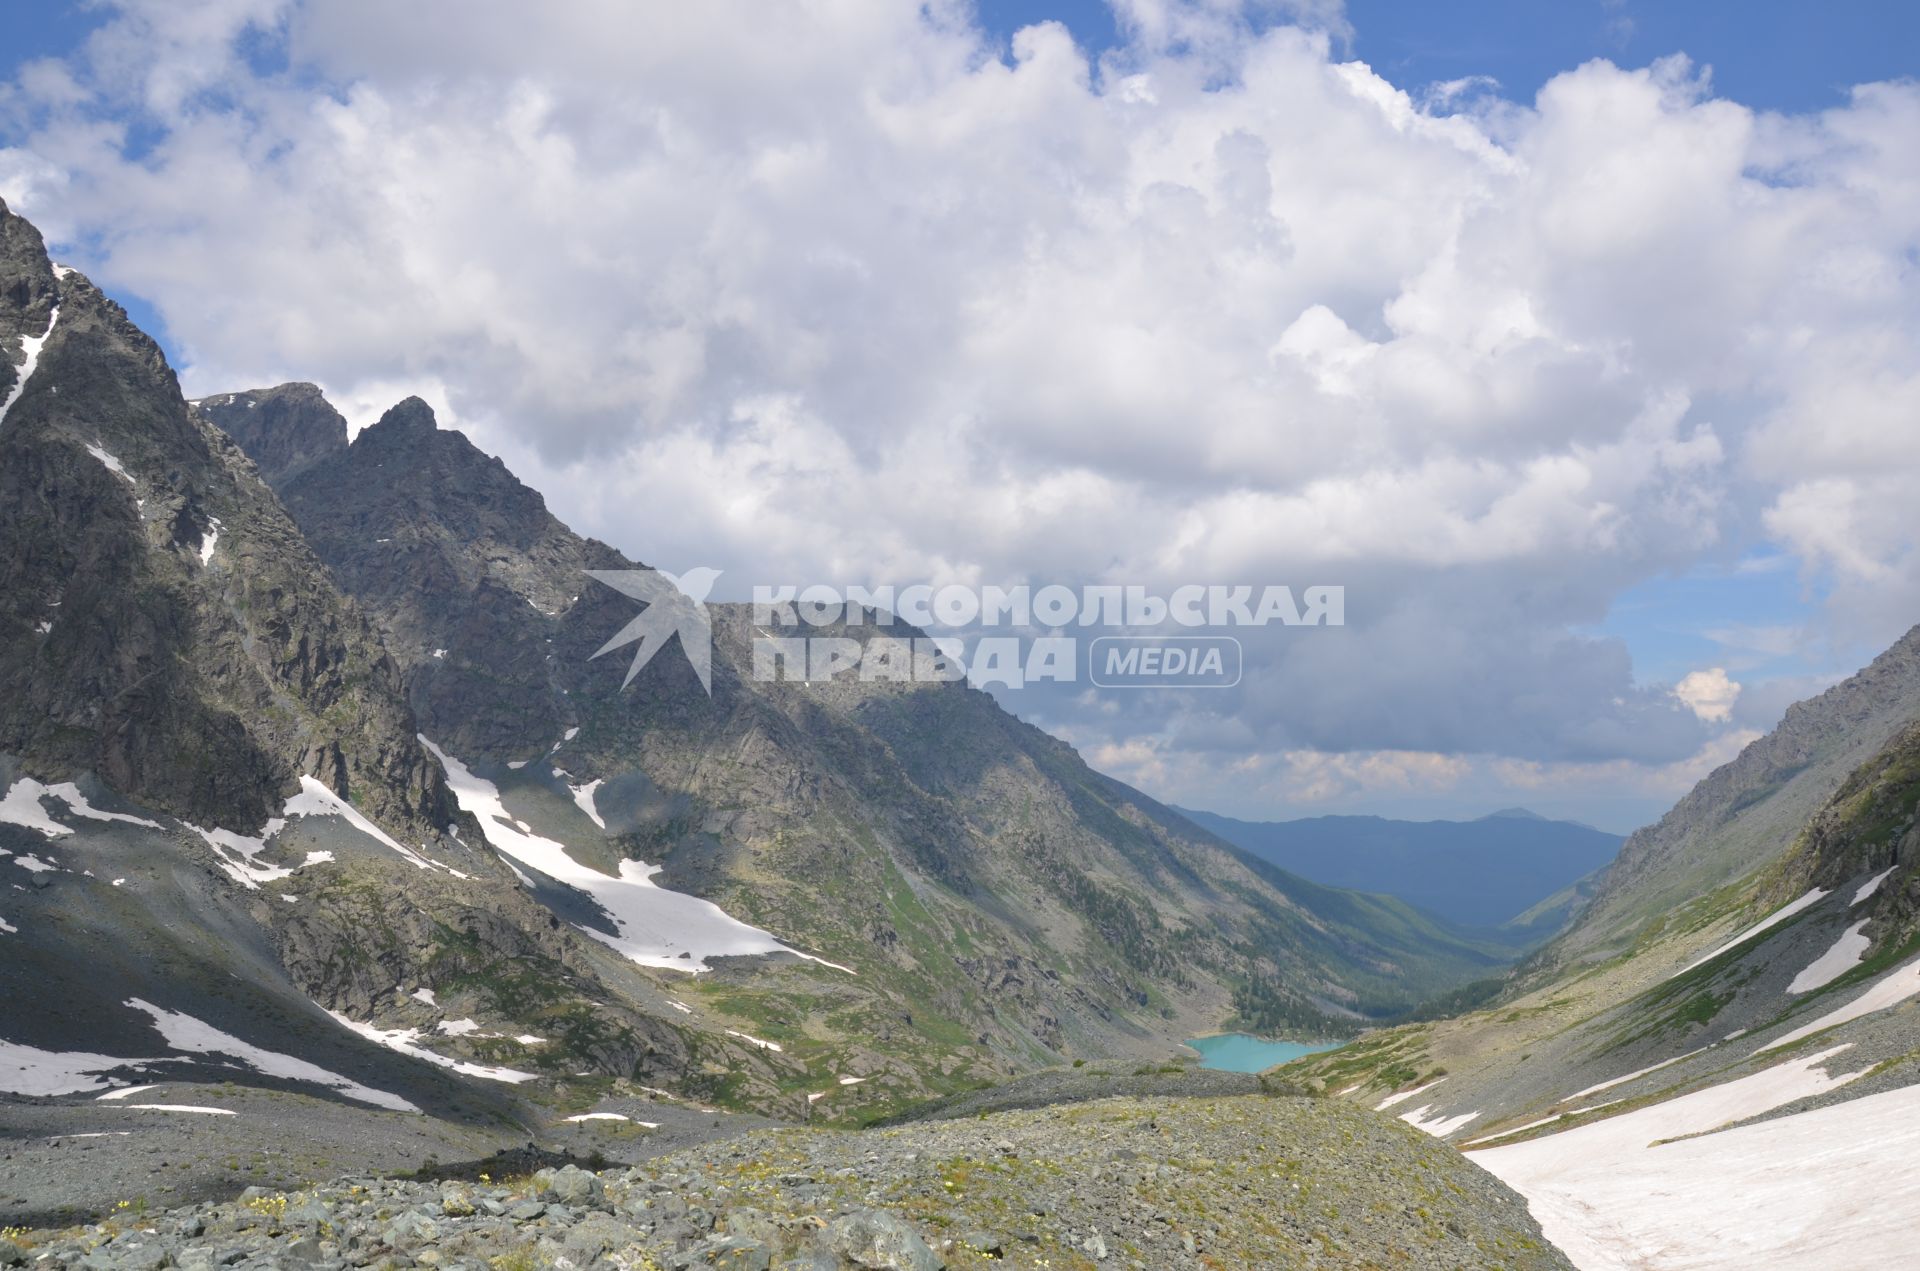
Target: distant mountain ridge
column 1482, row 873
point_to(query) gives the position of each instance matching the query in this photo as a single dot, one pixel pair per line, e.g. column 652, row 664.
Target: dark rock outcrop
column 285, row 430
column 162, row 621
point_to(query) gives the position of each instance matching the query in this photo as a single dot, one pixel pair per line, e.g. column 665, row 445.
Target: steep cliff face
column 1871, row 826
column 164, row 624
column 29, row 293
column 470, row 576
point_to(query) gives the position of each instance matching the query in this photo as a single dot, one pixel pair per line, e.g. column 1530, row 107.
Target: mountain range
column 305, row 736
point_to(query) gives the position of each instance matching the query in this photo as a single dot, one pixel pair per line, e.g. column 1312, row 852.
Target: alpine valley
column 355, row 913
column 332, row 850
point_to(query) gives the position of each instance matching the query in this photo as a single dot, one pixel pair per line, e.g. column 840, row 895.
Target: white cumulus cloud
column 1710, row 694
column 851, row 293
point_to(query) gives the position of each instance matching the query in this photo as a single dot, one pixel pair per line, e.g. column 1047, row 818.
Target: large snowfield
column 1833, row 1188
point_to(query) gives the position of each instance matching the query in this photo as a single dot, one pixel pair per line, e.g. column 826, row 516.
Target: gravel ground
column 1144, row 1184
column 74, row 1160
column 62, row 1162
column 1093, row 1081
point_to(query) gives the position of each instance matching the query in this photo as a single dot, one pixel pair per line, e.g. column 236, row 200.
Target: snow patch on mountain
column 31, row 1071
column 1632, row 1076
column 1891, row 989
column 407, row 1042
column 22, row 807
column 315, row 799
column 583, row 795
column 185, row 1033
column 1871, row 886
column 1835, row 962
column 31, row 346
column 1404, row 1095
column 584, row 1117
column 110, row 462
column 1518, row 1129
column 653, row 926
column 77, row 805
column 236, row 853
column 1438, row 1126
column 1773, row 919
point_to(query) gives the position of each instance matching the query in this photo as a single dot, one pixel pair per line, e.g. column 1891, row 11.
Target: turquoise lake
column 1237, row 1052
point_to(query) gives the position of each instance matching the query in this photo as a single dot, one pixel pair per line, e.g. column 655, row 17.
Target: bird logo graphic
column 675, row 605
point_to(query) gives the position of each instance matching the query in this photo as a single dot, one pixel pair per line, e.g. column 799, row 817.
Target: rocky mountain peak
column 407, row 470
column 746, row 796
column 285, row 429
column 409, row 418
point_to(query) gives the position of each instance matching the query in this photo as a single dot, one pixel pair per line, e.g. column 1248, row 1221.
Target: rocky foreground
column 1140, row 1183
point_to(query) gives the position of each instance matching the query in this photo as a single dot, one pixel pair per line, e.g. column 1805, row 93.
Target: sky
column 1772, row 54
column 1577, row 342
